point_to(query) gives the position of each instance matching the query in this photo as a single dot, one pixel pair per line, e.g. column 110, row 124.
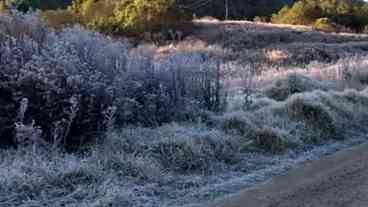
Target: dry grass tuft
column 270, row 140
column 236, row 123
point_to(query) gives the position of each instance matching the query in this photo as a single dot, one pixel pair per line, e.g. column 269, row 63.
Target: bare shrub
column 27, row 134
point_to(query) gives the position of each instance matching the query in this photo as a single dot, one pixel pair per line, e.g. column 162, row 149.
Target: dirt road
column 340, row 180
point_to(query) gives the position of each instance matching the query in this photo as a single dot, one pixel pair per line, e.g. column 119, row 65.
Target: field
column 102, row 121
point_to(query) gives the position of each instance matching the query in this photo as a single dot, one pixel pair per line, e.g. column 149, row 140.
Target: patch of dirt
column 340, row 180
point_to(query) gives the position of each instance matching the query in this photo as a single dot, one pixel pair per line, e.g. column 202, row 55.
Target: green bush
column 324, row 24
column 300, row 13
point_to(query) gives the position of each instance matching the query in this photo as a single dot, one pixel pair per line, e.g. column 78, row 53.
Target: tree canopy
column 332, row 13
column 119, row 16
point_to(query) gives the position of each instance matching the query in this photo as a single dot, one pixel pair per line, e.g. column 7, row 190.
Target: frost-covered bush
column 50, row 72
column 72, row 77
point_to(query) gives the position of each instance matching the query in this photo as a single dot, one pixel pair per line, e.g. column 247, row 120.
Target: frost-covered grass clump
column 295, row 83
column 119, row 171
column 303, row 118
column 177, row 148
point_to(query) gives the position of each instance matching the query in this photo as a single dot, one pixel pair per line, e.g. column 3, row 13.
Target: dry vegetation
column 266, row 91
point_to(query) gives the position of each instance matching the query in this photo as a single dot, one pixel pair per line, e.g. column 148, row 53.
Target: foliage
column 324, row 24
column 300, row 13
column 110, row 16
column 132, row 16
column 140, row 15
column 343, row 12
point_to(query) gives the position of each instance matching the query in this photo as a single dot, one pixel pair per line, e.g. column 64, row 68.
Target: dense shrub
column 76, row 80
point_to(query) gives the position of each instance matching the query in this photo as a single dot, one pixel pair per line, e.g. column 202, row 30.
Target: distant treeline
column 238, row 9
column 25, row 5
column 136, row 16
column 329, row 15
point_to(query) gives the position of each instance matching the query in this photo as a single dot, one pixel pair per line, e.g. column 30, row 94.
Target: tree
column 127, row 16
column 301, row 12
column 347, row 13
column 141, row 14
